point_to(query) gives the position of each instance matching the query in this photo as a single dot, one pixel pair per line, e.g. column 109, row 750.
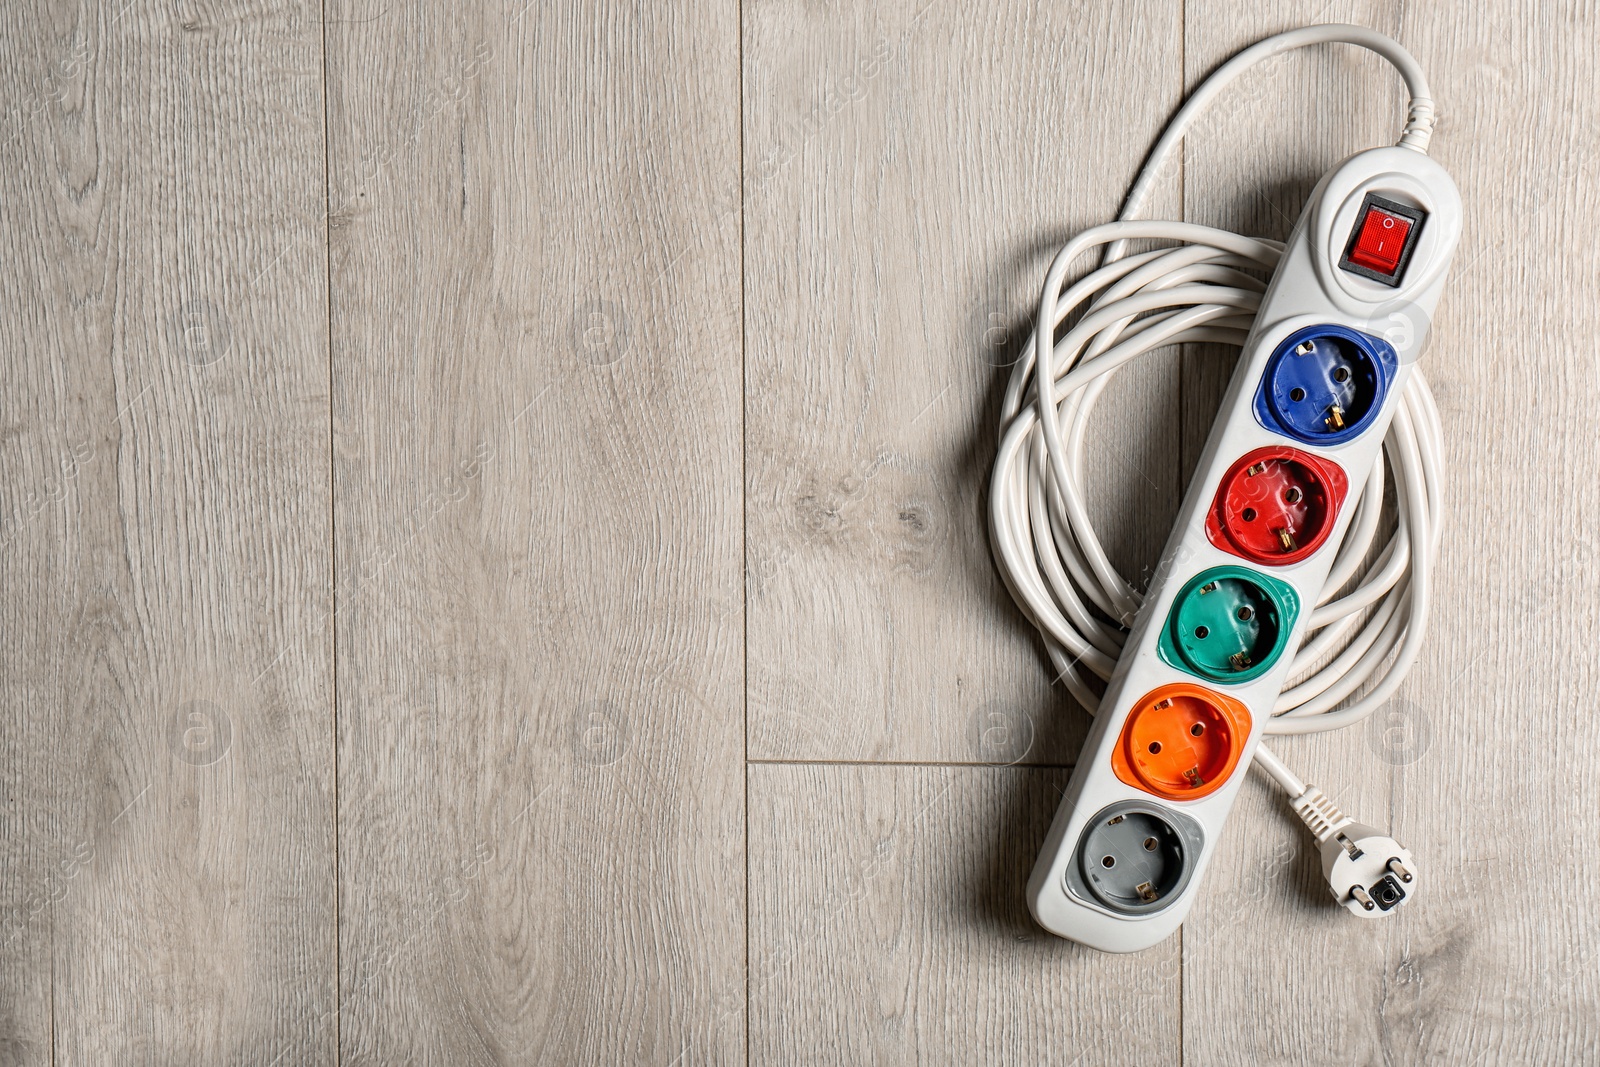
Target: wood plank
column 166, row 843
column 887, row 925
column 912, row 169
column 537, row 407
column 1475, row 970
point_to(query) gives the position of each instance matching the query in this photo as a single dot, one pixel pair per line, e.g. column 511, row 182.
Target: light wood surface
column 902, row 212
column 494, row 568
column 536, row 421
column 166, row 856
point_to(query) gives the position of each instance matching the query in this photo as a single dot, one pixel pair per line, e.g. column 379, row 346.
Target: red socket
column 1276, row 506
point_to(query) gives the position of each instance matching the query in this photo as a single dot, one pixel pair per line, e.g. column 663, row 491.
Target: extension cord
column 1280, row 516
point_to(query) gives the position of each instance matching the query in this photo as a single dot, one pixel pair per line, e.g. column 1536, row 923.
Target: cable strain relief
column 1321, row 815
column 1419, row 125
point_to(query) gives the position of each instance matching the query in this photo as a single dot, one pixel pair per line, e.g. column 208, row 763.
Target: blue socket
column 1324, row 385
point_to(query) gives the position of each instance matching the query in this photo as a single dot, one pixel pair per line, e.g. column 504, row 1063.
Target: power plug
column 1368, row 872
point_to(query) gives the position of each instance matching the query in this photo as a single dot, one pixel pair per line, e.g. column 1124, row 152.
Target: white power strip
column 1278, row 518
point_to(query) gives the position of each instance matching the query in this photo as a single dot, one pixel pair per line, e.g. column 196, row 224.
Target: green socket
column 1229, row 624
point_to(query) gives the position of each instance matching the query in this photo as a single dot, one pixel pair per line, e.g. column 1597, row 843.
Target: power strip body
column 1319, row 288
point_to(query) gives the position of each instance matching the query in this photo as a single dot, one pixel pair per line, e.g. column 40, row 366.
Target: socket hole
column 1155, row 748
column 1341, row 374
column 1202, row 632
column 1109, row 861
column 1151, row 844
column 1249, row 514
column 1197, row 729
column 1293, row 495
column 1245, row 614
column 1297, row 394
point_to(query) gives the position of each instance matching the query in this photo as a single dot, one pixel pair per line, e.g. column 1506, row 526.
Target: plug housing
column 1369, row 873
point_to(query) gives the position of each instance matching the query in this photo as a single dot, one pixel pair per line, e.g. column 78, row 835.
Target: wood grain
column 1478, row 764
column 166, row 856
column 536, row 328
column 887, row 925
column 912, row 169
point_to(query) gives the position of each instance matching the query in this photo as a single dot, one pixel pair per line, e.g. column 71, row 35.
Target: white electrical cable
column 1200, row 290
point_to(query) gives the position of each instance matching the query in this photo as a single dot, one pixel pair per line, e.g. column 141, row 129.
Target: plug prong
column 1361, row 897
column 1399, row 869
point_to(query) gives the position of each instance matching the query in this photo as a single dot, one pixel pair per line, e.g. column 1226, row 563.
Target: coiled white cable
column 1200, row 290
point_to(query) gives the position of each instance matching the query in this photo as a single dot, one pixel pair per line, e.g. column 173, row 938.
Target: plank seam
column 744, row 507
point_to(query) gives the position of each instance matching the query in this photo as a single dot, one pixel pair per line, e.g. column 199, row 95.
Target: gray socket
column 1136, row 858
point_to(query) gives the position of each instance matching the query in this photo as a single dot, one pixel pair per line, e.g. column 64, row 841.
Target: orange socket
column 1181, row 741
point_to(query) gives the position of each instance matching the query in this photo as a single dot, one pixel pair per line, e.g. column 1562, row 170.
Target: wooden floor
column 494, row 568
